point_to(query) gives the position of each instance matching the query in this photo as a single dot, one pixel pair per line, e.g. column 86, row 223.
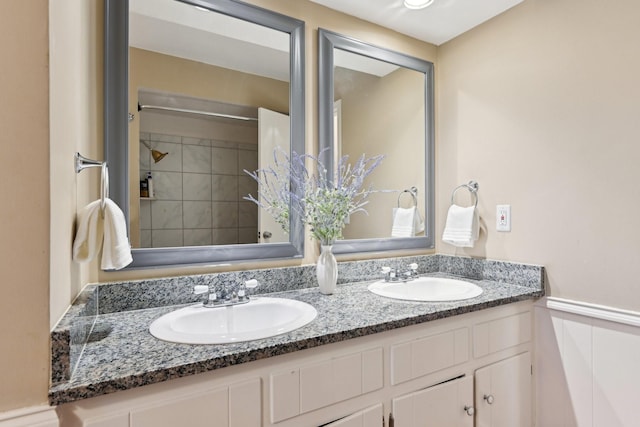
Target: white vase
column 327, row 270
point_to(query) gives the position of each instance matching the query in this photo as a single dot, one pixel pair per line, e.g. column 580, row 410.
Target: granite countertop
column 120, row 353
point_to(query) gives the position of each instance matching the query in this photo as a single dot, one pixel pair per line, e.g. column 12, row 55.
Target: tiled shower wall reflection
column 199, row 188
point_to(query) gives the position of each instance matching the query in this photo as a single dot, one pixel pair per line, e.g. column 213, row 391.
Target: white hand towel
column 462, row 227
column 403, row 222
column 116, row 250
column 88, row 240
column 109, row 234
column 418, row 222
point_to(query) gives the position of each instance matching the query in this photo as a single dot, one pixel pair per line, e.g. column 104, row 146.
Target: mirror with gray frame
column 195, row 91
column 377, row 101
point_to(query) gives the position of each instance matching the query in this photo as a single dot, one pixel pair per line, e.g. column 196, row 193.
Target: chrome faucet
column 395, row 275
column 225, row 298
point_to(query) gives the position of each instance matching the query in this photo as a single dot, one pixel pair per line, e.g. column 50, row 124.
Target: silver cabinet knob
column 488, row 398
column 470, row 410
column 267, row 234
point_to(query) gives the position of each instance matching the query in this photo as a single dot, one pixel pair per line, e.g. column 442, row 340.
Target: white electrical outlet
column 503, row 217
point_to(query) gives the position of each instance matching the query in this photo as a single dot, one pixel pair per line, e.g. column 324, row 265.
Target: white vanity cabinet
column 424, row 375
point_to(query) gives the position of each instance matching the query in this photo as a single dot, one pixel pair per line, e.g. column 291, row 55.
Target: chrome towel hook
column 414, row 195
column 472, row 186
column 81, row 163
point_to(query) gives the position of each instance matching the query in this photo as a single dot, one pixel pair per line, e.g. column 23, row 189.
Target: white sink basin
column 259, row 318
column 427, row 289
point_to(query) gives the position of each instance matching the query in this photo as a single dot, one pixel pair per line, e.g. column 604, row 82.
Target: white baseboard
column 602, row 312
column 35, row 416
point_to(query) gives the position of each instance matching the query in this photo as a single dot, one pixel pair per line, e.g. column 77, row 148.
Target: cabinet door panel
column 121, row 420
column 316, row 386
column 442, row 405
column 496, row 335
column 203, row 410
column 503, row 393
column 370, row 417
column 347, row 377
column 245, row 403
column 372, row 370
column 285, row 395
column 373, row 417
column 416, row 358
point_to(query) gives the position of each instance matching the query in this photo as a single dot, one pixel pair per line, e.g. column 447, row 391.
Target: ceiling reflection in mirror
column 198, row 79
column 376, row 101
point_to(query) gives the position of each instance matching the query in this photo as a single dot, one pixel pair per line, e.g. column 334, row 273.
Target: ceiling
column 436, row 24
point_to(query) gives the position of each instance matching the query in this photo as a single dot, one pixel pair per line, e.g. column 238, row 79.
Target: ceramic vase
column 327, row 270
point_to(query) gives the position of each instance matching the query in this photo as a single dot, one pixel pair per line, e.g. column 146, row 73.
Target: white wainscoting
column 587, row 361
column 37, row 416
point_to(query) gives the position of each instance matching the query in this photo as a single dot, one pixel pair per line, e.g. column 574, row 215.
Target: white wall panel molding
column 586, row 364
column 36, row 416
column 602, row 312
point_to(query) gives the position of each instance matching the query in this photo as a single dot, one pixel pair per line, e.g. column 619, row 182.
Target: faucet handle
column 413, row 266
column 252, row 283
column 386, row 270
column 200, row 289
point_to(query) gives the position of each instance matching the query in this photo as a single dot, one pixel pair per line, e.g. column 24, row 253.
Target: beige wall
column 24, row 191
column 386, row 117
column 76, row 126
column 542, row 107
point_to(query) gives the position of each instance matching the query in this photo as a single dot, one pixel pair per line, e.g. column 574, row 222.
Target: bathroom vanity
column 365, row 359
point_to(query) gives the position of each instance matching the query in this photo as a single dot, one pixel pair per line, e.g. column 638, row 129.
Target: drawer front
column 500, row 334
column 430, row 354
column 310, row 387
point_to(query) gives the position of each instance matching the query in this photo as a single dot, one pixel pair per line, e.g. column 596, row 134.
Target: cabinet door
column 370, row 417
column 444, row 405
column 503, row 393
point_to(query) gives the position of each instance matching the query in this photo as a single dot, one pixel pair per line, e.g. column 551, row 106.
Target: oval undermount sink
column 427, row 289
column 259, row 318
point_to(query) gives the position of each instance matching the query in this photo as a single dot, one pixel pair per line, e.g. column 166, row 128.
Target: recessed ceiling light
column 417, row 4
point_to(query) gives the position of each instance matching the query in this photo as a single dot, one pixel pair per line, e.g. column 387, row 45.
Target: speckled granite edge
column 72, row 332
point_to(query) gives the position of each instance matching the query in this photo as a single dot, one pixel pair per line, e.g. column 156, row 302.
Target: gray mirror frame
column 327, row 42
column 116, row 45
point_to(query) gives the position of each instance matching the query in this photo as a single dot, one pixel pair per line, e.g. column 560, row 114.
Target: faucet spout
column 395, row 274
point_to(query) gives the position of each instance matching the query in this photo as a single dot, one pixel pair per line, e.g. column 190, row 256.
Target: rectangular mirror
column 207, row 85
column 377, row 101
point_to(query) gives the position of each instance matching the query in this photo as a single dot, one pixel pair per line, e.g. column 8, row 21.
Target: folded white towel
column 462, row 227
column 404, row 222
column 88, row 240
column 109, row 233
column 418, row 222
column 116, row 250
